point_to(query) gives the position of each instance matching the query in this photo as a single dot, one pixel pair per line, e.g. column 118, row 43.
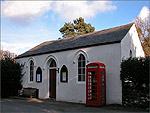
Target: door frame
column 47, row 69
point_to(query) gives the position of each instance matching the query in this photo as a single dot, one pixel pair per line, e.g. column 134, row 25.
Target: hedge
column 11, row 74
column 135, row 82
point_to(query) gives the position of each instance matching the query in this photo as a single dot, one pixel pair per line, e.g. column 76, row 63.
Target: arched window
column 39, row 75
column 130, row 54
column 64, row 74
column 81, row 68
column 52, row 63
column 31, row 70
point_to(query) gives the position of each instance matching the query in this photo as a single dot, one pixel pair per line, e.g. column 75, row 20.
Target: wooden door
column 52, row 87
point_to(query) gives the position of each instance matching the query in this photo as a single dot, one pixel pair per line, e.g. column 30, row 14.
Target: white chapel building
column 44, row 63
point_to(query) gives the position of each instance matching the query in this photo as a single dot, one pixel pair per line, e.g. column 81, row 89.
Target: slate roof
column 107, row 36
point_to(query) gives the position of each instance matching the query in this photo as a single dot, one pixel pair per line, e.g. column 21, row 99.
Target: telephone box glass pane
column 103, row 89
column 92, row 85
column 102, row 72
column 103, row 83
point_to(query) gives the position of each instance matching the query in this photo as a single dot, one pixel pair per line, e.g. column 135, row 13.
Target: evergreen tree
column 11, row 77
column 78, row 27
column 68, row 30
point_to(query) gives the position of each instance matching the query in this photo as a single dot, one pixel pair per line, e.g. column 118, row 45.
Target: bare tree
column 143, row 29
column 7, row 54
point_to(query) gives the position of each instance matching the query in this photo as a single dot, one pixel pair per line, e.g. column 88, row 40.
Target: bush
column 135, row 82
column 11, row 74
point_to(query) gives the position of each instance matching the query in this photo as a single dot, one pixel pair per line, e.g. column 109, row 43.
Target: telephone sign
column 95, row 84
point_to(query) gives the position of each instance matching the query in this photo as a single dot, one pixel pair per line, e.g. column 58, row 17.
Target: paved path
column 22, row 105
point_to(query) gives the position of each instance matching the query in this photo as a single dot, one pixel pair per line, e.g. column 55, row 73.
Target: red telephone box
column 95, row 84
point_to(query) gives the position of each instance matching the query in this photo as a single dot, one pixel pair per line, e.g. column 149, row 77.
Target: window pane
column 31, row 77
column 79, row 64
column 39, row 75
column 53, row 63
column 79, row 77
column 79, row 71
column 82, row 57
column 83, row 70
column 130, row 53
column 31, row 68
column 79, row 57
column 83, row 64
column 82, row 77
column 31, row 73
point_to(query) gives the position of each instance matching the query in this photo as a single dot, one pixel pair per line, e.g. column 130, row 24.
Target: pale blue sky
column 26, row 24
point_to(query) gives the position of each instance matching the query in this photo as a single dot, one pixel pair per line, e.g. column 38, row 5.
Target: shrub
column 11, row 74
column 135, row 82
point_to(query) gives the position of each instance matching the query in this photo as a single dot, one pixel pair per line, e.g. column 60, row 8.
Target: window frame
column 31, row 70
column 82, row 67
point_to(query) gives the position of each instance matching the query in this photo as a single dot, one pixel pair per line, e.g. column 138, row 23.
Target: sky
column 25, row 24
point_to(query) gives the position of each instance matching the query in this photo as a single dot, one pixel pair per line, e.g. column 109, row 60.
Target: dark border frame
column 61, row 71
column 40, row 75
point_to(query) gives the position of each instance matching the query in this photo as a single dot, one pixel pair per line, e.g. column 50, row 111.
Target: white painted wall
column 131, row 42
column 73, row 91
